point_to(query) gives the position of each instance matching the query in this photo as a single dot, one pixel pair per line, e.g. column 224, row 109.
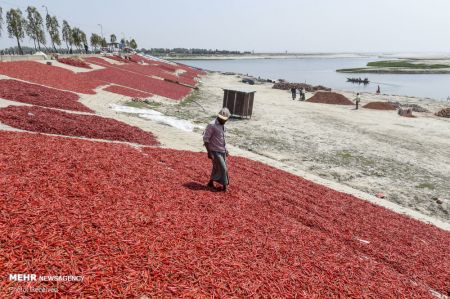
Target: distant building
column 113, row 47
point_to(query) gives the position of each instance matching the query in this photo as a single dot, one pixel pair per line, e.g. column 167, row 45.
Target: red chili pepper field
column 74, row 62
column 51, row 76
column 42, row 120
column 138, row 77
column 139, row 222
column 19, row 91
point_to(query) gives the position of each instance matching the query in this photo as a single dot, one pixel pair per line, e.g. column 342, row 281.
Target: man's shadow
column 195, row 186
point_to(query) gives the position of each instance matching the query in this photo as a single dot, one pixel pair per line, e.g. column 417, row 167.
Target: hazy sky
column 260, row 25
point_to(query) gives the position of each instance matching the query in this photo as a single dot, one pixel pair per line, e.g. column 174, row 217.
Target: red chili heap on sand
column 138, row 223
column 380, row 106
column 48, row 75
column 23, row 92
column 49, row 121
column 329, row 98
column 74, row 62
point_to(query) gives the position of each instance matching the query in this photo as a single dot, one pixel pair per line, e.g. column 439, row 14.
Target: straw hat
column 224, row 114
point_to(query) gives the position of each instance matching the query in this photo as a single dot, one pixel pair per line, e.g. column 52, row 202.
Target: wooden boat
column 358, row 80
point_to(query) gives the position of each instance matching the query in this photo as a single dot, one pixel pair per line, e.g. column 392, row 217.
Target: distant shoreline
column 269, row 56
column 329, row 55
column 361, row 70
column 394, row 71
column 403, row 66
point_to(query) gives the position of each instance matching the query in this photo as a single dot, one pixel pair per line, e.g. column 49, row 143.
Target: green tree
column 35, row 26
column 127, row 43
column 133, row 44
column 95, row 40
column 53, row 30
column 30, row 33
column 103, row 42
column 113, row 38
column 16, row 26
column 84, row 41
column 83, row 38
column 67, row 34
column 76, row 37
column 79, row 38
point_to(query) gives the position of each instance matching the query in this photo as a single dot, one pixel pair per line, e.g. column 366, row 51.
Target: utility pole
column 101, row 29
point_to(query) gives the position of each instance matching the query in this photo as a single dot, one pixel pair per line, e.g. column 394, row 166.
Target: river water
column 323, row 71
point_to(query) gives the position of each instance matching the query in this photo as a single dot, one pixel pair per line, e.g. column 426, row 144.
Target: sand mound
column 380, row 106
column 443, row 113
column 329, row 98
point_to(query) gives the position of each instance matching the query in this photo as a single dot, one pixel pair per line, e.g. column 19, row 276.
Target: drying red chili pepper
column 142, row 78
column 140, row 222
column 74, row 62
column 23, row 92
column 48, row 75
column 49, row 121
column 125, row 91
column 137, row 81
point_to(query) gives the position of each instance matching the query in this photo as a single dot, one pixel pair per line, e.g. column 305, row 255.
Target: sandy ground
column 356, row 152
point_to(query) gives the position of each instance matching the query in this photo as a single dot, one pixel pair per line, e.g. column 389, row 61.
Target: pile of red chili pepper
column 48, row 75
column 74, row 62
column 23, row 92
column 380, row 106
column 42, row 120
column 140, row 222
column 125, row 91
column 328, row 97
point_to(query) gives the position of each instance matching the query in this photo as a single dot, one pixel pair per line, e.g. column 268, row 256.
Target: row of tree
column 33, row 26
column 193, row 51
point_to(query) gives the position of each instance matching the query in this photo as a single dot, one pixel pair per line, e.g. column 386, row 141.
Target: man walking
column 294, row 93
column 301, row 94
column 357, row 100
column 214, row 141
